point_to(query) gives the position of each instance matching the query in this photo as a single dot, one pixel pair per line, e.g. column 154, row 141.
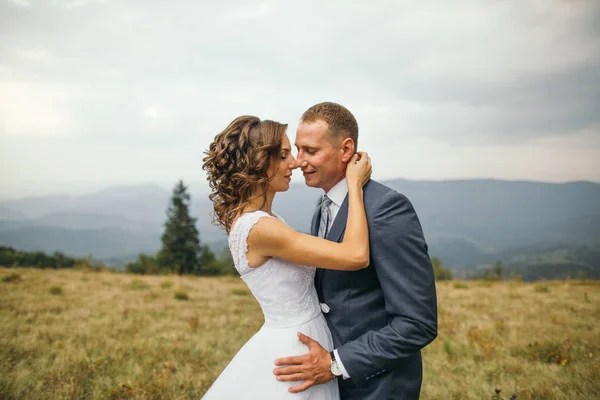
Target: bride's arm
column 272, row 238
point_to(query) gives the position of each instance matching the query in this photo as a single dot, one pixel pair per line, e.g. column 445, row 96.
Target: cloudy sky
column 105, row 92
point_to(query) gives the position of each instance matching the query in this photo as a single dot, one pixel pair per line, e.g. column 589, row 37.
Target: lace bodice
column 284, row 290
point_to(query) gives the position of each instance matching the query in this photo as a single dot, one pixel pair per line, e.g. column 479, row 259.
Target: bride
column 247, row 164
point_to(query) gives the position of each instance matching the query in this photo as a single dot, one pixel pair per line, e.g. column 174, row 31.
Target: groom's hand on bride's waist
column 314, row 368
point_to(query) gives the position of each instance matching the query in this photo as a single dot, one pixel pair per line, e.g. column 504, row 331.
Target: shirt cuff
column 340, row 364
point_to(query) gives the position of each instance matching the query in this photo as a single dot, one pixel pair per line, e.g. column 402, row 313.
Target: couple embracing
column 348, row 308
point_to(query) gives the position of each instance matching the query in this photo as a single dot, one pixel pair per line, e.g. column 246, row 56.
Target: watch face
column 335, row 369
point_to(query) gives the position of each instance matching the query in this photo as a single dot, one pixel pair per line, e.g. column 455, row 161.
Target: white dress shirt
column 337, row 194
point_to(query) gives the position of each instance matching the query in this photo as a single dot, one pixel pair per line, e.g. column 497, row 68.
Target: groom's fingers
column 307, row 340
column 292, row 378
column 295, row 360
column 302, row 387
column 288, row 370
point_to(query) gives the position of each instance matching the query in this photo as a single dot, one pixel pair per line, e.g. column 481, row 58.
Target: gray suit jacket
column 382, row 316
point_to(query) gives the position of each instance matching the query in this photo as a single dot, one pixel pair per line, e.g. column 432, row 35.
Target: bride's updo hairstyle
column 237, row 162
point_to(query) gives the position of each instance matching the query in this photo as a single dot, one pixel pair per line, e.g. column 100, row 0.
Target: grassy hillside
column 71, row 334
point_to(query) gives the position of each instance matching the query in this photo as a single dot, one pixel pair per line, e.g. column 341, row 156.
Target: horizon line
column 159, row 184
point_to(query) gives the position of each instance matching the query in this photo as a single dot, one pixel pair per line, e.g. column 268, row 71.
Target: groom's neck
column 332, row 185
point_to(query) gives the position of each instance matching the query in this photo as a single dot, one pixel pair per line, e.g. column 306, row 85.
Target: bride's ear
column 348, row 149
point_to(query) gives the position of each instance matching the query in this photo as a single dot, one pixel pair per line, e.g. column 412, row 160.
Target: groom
column 382, row 316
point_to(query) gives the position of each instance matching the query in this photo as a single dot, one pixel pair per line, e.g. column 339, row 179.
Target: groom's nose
column 302, row 164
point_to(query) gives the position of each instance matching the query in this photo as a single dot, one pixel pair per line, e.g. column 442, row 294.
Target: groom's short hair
column 340, row 120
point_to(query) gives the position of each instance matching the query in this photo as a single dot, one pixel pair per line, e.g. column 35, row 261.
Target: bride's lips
column 288, row 177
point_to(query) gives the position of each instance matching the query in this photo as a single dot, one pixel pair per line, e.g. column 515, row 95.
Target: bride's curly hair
column 237, row 162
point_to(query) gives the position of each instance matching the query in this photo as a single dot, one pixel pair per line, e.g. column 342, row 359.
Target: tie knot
column 326, row 202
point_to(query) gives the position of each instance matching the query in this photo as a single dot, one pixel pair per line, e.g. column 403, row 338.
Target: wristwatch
column 334, row 368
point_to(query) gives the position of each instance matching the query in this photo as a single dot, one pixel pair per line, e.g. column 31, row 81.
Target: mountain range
column 467, row 223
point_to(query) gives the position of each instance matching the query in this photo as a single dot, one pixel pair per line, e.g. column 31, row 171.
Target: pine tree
column 181, row 249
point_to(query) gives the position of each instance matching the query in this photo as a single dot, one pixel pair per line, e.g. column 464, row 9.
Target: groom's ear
column 348, row 149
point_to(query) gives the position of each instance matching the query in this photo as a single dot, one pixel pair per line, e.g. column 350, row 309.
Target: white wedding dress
column 287, row 296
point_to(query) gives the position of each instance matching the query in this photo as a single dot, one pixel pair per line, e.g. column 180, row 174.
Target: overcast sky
column 105, row 92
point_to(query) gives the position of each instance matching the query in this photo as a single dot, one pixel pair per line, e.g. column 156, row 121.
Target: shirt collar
column 338, row 193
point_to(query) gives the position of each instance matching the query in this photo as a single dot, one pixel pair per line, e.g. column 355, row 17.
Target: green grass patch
column 181, row 295
column 56, row 290
column 138, row 284
column 12, row 277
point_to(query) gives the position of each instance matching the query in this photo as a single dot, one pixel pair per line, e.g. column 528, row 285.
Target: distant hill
column 6, row 214
column 467, row 223
column 144, row 203
column 100, row 243
column 83, row 221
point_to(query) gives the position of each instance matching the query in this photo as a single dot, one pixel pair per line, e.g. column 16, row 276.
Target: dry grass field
column 72, row 334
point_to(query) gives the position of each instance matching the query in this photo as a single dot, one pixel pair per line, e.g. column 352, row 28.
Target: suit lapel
column 339, row 225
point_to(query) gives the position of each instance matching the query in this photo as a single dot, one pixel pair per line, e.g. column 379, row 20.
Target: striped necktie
column 325, row 217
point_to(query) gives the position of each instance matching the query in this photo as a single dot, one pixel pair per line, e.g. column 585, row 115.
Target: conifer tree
column 181, row 250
